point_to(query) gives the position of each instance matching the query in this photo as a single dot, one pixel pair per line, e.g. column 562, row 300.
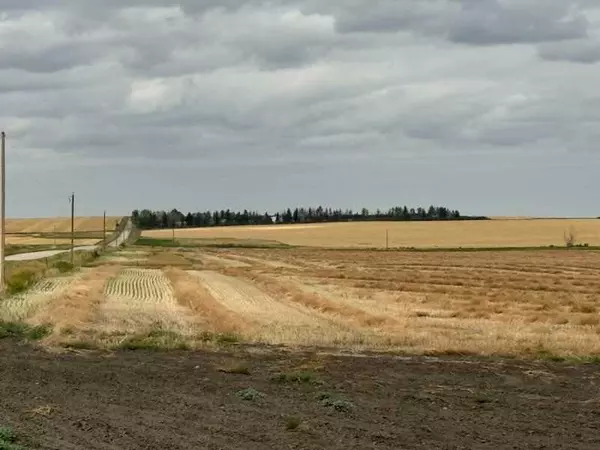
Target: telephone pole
column 2, row 209
column 72, row 199
column 104, row 232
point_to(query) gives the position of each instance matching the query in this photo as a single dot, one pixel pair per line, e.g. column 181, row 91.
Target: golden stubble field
column 492, row 233
column 59, row 224
column 518, row 303
column 56, row 231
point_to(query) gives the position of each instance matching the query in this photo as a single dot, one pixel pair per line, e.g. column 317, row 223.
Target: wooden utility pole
column 104, row 232
column 2, row 210
column 73, row 228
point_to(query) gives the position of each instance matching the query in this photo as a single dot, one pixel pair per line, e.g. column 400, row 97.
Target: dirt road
column 184, row 401
column 31, row 256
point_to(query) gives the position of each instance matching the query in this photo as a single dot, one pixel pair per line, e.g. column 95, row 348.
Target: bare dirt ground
column 182, row 400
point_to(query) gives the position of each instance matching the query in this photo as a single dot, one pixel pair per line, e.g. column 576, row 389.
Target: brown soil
column 180, row 400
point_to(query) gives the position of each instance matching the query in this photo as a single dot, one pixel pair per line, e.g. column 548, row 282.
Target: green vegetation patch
column 20, row 281
column 24, row 331
column 335, row 402
column 8, row 439
column 292, row 423
column 155, row 340
column 63, row 266
column 250, row 394
column 210, row 243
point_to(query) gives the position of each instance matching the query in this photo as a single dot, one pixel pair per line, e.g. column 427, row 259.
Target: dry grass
column 74, row 308
column 522, row 303
column 276, row 319
column 141, row 299
column 494, row 233
column 23, row 306
column 285, row 288
column 489, row 303
column 195, row 296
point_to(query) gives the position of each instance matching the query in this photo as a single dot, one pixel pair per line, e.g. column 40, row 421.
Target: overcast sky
column 488, row 106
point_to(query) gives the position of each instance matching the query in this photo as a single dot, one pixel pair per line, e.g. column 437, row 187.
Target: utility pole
column 387, row 239
column 72, row 228
column 2, row 210
column 104, row 232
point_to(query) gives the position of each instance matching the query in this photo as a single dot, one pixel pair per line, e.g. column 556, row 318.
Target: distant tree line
column 147, row 219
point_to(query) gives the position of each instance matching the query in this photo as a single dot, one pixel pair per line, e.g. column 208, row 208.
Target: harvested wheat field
column 59, row 224
column 307, row 349
column 519, row 303
column 20, row 240
column 467, row 234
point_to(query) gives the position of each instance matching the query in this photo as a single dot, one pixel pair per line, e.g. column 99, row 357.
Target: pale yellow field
column 518, row 303
column 59, row 224
column 493, row 233
column 32, row 240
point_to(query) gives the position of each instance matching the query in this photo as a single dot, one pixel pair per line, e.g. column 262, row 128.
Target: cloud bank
column 490, row 106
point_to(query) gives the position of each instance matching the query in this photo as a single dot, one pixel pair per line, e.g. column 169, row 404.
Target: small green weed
column 219, row 338
column 321, row 396
column 63, row 266
column 339, row 404
column 227, row 338
column 249, row 394
column 292, row 423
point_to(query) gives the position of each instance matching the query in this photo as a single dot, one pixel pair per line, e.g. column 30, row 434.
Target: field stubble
column 466, row 234
column 525, row 303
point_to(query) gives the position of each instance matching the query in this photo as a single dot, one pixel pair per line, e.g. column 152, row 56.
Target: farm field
column 467, row 234
column 308, row 349
column 519, row 303
column 20, row 240
column 59, row 224
column 55, row 232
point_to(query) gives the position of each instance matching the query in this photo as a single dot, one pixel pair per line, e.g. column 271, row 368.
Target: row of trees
column 146, row 219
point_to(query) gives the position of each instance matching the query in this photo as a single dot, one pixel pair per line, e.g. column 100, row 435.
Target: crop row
column 140, row 285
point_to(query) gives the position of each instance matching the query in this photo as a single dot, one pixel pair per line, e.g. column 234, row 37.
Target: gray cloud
column 577, row 51
column 485, row 22
column 383, row 16
column 298, row 90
